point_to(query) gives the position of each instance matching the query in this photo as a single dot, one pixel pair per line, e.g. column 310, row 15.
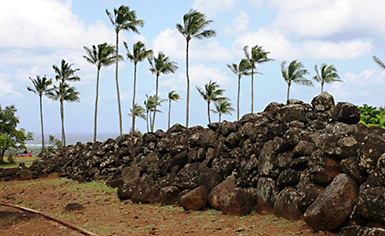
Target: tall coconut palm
column 294, row 73
column 194, row 24
column 243, row 68
column 379, row 62
column 64, row 92
column 101, row 55
column 122, row 19
column 256, row 56
column 328, row 74
column 210, row 94
column 41, row 86
column 223, row 106
column 139, row 53
column 150, row 105
column 172, row 96
column 160, row 65
column 138, row 111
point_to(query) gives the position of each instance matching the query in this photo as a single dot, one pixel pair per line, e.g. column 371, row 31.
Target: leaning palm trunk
column 42, row 127
column 208, row 112
column 169, row 113
column 96, row 105
column 133, row 100
column 188, row 86
column 252, row 90
column 239, row 92
column 156, row 103
column 288, row 93
column 147, row 122
column 63, row 136
column 117, row 82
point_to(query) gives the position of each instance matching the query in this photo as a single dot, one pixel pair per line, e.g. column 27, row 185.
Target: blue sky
column 37, row 34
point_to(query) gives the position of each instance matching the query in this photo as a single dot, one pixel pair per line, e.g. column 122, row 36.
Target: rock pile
column 296, row 161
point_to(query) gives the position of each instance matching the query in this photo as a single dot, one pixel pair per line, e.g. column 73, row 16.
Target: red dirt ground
column 105, row 214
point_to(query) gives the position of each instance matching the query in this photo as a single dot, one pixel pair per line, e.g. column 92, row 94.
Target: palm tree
column 139, row 53
column 172, row 96
column 138, row 111
column 160, row 65
column 150, row 106
column 328, row 74
column 123, row 19
column 102, row 55
column 379, row 62
column 41, row 87
column 64, row 92
column 210, row 93
column 222, row 106
column 256, row 56
column 294, row 73
column 194, row 24
column 243, row 68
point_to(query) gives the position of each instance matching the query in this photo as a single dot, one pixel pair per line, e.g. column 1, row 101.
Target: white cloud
column 47, row 24
column 361, row 88
column 239, row 24
column 6, row 87
column 173, row 44
column 325, row 18
column 199, row 75
column 272, row 41
column 212, row 7
column 331, row 50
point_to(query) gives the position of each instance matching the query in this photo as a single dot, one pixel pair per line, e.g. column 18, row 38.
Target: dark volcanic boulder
column 146, row 193
column 323, row 102
column 220, row 190
column 371, row 204
column 334, row 205
column 169, row 195
column 381, row 169
column 266, row 193
column 347, row 113
column 323, row 169
column 195, row 199
column 372, row 148
column 286, row 204
column 356, row 230
column 237, row 202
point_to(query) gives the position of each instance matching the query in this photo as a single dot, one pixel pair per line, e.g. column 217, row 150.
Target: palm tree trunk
column 219, row 117
column 252, row 90
column 208, row 111
column 156, row 102
column 188, row 86
column 147, row 122
column 288, row 93
column 133, row 101
column 239, row 92
column 42, row 127
column 322, row 87
column 169, row 113
column 117, row 82
column 63, row 136
column 96, row 104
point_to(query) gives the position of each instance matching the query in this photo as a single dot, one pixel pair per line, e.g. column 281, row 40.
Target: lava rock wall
column 297, row 161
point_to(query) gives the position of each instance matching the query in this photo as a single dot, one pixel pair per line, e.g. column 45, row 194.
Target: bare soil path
column 105, row 214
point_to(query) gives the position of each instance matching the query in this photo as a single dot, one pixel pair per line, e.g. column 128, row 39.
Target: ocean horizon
column 71, row 139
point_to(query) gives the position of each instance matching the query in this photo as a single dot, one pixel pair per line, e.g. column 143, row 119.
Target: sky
column 35, row 35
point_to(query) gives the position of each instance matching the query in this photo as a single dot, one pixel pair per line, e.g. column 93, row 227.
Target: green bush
column 371, row 116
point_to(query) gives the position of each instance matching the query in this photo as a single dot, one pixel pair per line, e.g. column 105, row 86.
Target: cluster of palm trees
column 193, row 26
column 61, row 92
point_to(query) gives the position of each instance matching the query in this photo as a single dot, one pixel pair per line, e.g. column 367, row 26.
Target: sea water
column 71, row 139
